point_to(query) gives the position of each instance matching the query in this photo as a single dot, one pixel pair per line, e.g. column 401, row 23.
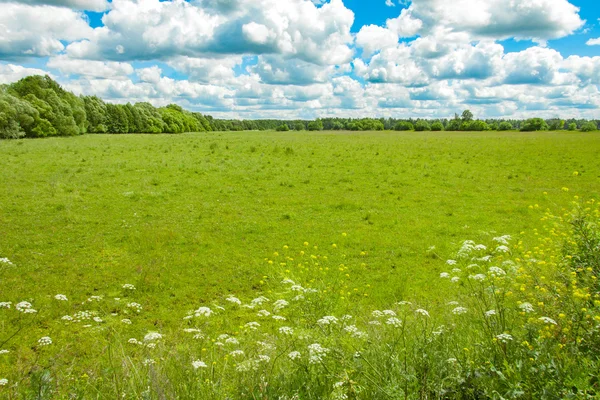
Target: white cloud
column 200, row 69
column 390, row 3
column 405, row 25
column 10, row 73
column 27, row 31
column 593, row 42
column 91, row 5
column 100, row 69
column 373, row 38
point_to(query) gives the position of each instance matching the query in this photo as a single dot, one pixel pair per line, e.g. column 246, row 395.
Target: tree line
column 37, row 106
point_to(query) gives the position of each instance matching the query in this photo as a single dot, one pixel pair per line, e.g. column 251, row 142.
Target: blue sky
column 310, row 58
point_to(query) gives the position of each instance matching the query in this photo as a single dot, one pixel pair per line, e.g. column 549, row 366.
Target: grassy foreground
column 192, row 220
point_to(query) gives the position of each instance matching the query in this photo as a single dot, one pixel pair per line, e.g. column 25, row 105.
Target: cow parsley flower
column 61, row 297
column 490, row 313
column 377, row 314
column 404, row 303
column 451, row 262
column 459, row 310
column 496, row 271
column 199, row 364
column 425, row 313
column 279, row 304
column 279, row 318
column 288, row 282
column 126, row 321
column 203, row 312
column 327, row 320
column 374, row 322
column 547, row 320
column 455, row 279
column 252, row 325
column 259, row 300
column 526, row 307
column 4, row 260
column 286, row 330
column 3, row 382
column 4, row 352
column 23, row 306
column 148, row 362
column 502, row 239
column 444, row 275
column 237, row 353
column 294, row 355
column 232, row 340
column 5, row 304
column 395, row 322
column 502, row 249
column 128, row 286
column 316, row 353
column 478, row 277
column 263, row 358
column 135, row 306
column 134, row 341
column 234, row 300
column 150, row 336
column 504, row 337
column 297, row 288
column 389, row 313
column 45, row 341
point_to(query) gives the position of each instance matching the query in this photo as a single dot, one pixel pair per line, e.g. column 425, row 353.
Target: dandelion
column 199, row 364
column 5, row 304
column 459, row 310
column 45, row 341
column 252, row 325
column 3, row 382
column 393, row 321
column 526, row 307
column 490, row 313
column 327, row 320
column 547, row 320
column 286, row 330
column 504, row 337
column 444, row 275
column 316, row 353
column 61, row 297
column 422, row 312
column 234, row 300
column 151, row 336
column 128, row 286
column 203, row 312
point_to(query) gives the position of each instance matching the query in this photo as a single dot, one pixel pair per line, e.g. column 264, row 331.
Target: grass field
column 194, row 217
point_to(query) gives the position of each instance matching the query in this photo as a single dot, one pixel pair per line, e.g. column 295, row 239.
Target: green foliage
column 422, row 125
column 467, row 116
column 283, row 128
column 556, row 124
column 505, row 126
column 589, row 127
column 299, row 126
column 404, row 126
column 315, row 125
column 437, row 126
column 476, row 126
column 534, row 124
column 572, row 126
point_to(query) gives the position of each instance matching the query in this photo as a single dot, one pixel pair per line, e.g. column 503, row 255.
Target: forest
column 37, row 106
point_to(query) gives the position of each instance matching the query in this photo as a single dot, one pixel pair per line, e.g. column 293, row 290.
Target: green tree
column 534, row 124
column 437, row 126
column 467, row 116
column 589, row 127
column 505, row 126
column 572, row 126
column 283, row 128
column 422, row 125
column 315, row 125
column 404, row 126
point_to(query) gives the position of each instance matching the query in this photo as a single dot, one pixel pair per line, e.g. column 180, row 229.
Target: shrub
column 422, row 125
column 315, row 125
column 404, row 126
column 589, row 127
column 505, row 126
column 283, row 128
column 572, row 126
column 534, row 124
column 437, row 126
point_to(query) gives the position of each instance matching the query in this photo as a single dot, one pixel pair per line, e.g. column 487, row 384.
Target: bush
column 589, row 127
column 404, row 126
column 315, row 125
column 477, row 125
column 437, row 126
column 505, row 126
column 534, row 124
column 282, row 128
column 572, row 126
column 422, row 125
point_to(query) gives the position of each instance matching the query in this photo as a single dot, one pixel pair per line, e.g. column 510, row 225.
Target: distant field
column 189, row 217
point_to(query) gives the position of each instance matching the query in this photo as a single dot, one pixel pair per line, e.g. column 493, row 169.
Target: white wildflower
column 234, row 300
column 346, row 317
column 199, row 364
column 375, row 322
column 444, row 275
column 502, row 239
column 61, row 297
column 456, row 270
column 4, row 352
column 232, row 340
column 404, row 303
column 355, row 332
column 97, row 319
column 502, row 249
column 288, row 282
column 526, row 307
column 3, row 382
column 286, row 330
column 316, row 353
column 94, row 298
column 452, row 303
column 4, row 260
column 259, row 300
column 150, row 336
column 45, row 341
column 148, row 361
column 126, row 321
column 294, row 355
column 237, row 353
column 459, row 310
column 451, row 262
column 490, row 313
column 264, row 358
column 422, row 312
column 297, row 288
column 496, row 271
column 128, row 286
column 452, row 361
column 252, row 325
column 203, row 312
column 547, row 320
column 389, row 313
column 67, row 318
column 279, row 318
column 377, row 314
column 24, row 306
column 5, row 304
column 478, row 277
column 134, row 341
column 298, row 298
column 480, row 247
column 135, row 306
column 504, row 337
column 455, row 279
column 327, row 320
column 393, row 321
column 263, row 313
column 279, row 304
column 151, row 345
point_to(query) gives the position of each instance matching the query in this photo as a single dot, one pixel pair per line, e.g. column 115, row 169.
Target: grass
column 192, row 218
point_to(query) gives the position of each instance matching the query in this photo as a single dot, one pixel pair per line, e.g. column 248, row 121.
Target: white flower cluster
column 502, row 249
column 286, row 330
column 279, row 318
column 61, row 297
column 151, row 336
column 234, row 300
column 126, row 321
column 490, row 313
column 504, row 337
column 316, row 353
column 252, row 325
column 422, row 312
column 548, row 320
column 259, row 301
column 526, row 307
column 6, row 261
column 502, row 239
column 327, row 320
column 25, row 307
column 459, row 310
column 5, row 304
column 237, row 353
column 496, row 271
column 478, row 277
column 355, row 332
column 199, row 364
column 128, row 286
column 263, row 313
column 45, row 341
column 94, row 298
column 279, row 304
column 395, row 322
column 4, row 352
column 3, row 382
column 294, row 355
column 135, row 306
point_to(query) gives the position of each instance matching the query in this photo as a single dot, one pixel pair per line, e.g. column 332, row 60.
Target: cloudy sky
column 311, row 58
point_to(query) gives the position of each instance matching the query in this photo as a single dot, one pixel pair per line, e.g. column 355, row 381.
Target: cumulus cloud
column 373, row 38
column 11, row 73
column 100, row 69
column 91, row 5
column 593, row 42
column 27, row 31
column 151, row 29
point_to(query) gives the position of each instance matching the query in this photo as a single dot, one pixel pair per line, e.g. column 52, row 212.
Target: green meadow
column 190, row 219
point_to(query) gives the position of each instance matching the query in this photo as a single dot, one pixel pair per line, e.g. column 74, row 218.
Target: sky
column 289, row 59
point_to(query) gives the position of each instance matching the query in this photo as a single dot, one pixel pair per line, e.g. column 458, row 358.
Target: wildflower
column 279, row 304
column 67, row 318
column 278, row 318
column 3, row 382
column 456, row 270
column 502, row 249
column 502, row 239
column 480, row 247
column 478, row 277
column 404, row 303
column 128, row 286
column 135, row 306
column 5, row 304
column 134, row 341
column 374, row 322
column 199, row 364
column 422, row 312
column 452, row 361
column 377, row 314
column 327, row 320
column 252, row 325
column 316, row 353
column 452, row 303
column 264, row 358
column 259, row 300
column 4, row 260
column 496, row 271
column 234, row 300
column 61, row 297
column 286, row 330
column 547, row 320
column 393, row 321
column 526, row 307
column 45, row 341
column 490, row 313
column 455, row 279
column 232, row 340
column 389, row 313
column 148, row 361
column 4, row 352
column 451, row 262
column 150, row 336
column 97, row 319
column 355, row 332
column 288, row 282
column 25, row 307
column 94, row 298
column 504, row 337
column 203, row 312
column 444, row 275
column 236, row 353
column 265, row 345
column 459, row 310
column 346, row 317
